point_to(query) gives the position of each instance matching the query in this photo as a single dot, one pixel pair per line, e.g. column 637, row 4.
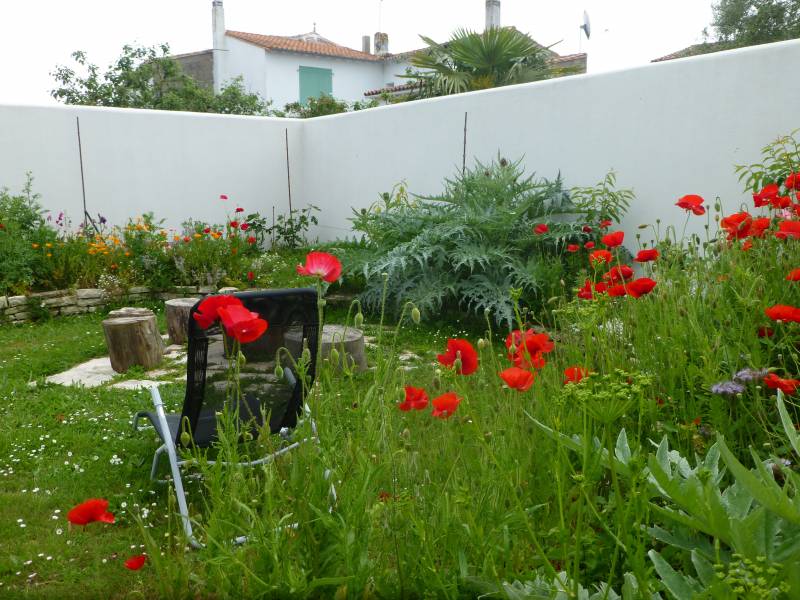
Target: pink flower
column 321, row 264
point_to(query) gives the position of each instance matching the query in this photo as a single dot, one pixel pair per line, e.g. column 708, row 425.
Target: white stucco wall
column 668, row 129
column 247, row 61
column 173, row 164
column 351, row 78
column 393, row 69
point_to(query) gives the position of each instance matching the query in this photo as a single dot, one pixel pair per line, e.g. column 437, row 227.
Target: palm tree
column 476, row 61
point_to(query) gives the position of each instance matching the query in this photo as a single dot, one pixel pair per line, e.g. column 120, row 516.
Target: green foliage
column 147, row 77
column 778, row 159
column 751, row 22
column 475, row 61
column 470, row 245
column 323, row 105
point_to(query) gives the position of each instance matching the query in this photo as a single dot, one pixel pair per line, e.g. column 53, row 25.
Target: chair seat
column 206, row 427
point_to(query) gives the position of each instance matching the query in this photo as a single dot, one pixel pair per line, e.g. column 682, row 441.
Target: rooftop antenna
column 315, row 27
column 586, row 28
column 380, row 14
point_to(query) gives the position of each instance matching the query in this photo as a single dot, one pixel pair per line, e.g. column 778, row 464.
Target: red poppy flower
column 787, row 386
column 208, row 311
column 518, row 379
column 792, row 182
column 788, row 229
column 615, row 291
column 585, row 293
column 692, row 202
column 605, row 223
column 321, row 264
column 94, row 509
column 239, row 209
column 599, row 257
column 747, row 245
column 589, row 245
column 416, row 399
column 234, row 224
column 794, row 275
column 384, row 496
column 573, row 248
column 618, row 273
column 529, row 348
column 244, row 227
column 207, row 230
column 250, row 276
column 186, row 239
column 241, row 324
column 460, row 348
column 763, row 197
column 251, row 240
column 759, row 226
column 587, row 229
column 781, row 202
column 767, row 332
column 646, row 255
column 574, row 374
column 134, row 563
column 540, row 229
column 612, row 240
column 737, row 225
column 223, row 196
column 640, row 287
column 783, row 312
column 445, row 405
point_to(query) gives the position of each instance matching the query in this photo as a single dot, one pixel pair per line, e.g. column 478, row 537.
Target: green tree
column 321, row 106
column 751, row 22
column 476, row 61
column 145, row 77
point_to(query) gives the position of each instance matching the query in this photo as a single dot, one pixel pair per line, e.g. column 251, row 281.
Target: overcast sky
column 36, row 35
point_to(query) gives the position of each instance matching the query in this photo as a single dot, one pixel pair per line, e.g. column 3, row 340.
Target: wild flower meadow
column 635, row 436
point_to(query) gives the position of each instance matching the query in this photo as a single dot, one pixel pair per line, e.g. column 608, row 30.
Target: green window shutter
column 314, row 82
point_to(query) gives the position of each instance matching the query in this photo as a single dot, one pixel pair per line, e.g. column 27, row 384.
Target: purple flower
column 747, row 375
column 102, row 219
column 727, row 388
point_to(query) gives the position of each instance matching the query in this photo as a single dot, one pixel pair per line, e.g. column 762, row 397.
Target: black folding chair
column 293, row 324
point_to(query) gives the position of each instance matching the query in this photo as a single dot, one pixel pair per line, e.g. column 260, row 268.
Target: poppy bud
column 321, row 303
column 644, row 226
column 436, row 383
column 358, row 321
column 512, row 349
column 241, row 359
column 334, row 356
column 279, row 371
column 415, row 315
column 305, row 356
column 185, row 438
column 457, row 365
column 481, row 344
column 385, row 276
column 247, row 436
column 486, row 312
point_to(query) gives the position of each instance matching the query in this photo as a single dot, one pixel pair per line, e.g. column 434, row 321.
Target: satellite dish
column 587, row 25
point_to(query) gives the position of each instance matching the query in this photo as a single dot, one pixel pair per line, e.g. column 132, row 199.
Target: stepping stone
column 93, row 373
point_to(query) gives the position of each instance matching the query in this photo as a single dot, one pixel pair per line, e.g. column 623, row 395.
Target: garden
column 554, row 407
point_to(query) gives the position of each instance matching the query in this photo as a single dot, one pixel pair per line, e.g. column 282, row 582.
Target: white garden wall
column 668, row 129
column 173, row 164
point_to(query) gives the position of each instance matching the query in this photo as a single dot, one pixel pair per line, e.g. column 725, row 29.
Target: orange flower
column 34, row 246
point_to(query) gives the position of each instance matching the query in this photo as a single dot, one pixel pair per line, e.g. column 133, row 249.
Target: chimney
column 492, row 13
column 218, row 53
column 381, row 44
column 365, row 45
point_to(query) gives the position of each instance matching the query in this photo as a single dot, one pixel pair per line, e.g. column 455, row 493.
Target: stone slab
column 51, row 294
column 139, row 290
column 91, row 301
column 60, row 301
column 92, row 373
column 136, row 384
column 71, row 310
column 17, row 300
column 3, row 302
column 20, row 308
column 90, row 293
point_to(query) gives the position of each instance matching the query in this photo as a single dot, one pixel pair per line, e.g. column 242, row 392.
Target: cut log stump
column 177, row 313
column 133, row 339
column 349, row 339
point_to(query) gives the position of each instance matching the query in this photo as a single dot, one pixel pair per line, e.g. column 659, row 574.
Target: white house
column 287, row 69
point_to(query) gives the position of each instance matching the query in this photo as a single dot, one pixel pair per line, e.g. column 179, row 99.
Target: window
column 314, row 82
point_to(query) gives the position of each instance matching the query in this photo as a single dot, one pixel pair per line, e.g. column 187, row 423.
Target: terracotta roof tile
column 696, row 50
column 289, row 44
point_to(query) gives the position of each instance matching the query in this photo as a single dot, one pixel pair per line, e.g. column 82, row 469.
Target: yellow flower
column 197, row 236
column 49, row 255
column 48, row 245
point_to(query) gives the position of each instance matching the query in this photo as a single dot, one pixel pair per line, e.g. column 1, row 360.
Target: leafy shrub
column 474, row 243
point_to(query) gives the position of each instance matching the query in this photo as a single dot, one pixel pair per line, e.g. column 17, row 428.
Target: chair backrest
column 293, row 320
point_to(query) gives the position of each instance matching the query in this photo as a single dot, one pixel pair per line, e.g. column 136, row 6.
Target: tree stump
column 177, row 313
column 349, row 343
column 131, row 311
column 133, row 340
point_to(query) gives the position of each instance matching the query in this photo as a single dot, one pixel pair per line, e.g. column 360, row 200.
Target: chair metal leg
column 159, row 451
column 169, row 444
